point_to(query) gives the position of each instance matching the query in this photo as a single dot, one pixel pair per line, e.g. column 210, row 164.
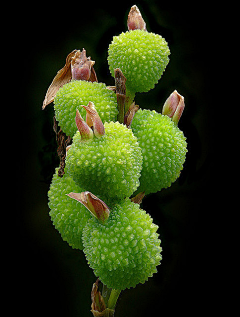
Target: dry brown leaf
column 63, row 76
column 77, row 64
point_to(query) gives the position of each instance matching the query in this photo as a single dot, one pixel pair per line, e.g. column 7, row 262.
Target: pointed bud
column 85, row 131
column 174, row 106
column 81, row 66
column 93, row 120
column 96, row 206
column 135, row 20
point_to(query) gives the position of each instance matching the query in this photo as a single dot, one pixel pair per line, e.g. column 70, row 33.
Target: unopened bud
column 84, row 130
column 96, row 206
column 135, row 20
column 93, row 120
column 174, row 106
column 81, row 66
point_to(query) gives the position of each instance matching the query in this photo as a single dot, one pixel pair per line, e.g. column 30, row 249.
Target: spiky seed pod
column 77, row 93
column 108, row 166
column 141, row 56
column 163, row 147
column 68, row 216
column 126, row 249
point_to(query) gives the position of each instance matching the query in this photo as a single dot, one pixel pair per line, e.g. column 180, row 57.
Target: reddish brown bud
column 85, row 131
column 135, row 20
column 174, row 106
column 81, row 66
column 93, row 120
column 96, row 206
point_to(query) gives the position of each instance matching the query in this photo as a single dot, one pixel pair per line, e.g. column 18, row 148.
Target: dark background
column 50, row 278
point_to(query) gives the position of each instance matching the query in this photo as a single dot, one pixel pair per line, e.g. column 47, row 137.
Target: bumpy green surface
column 163, row 147
column 126, row 250
column 141, row 56
column 76, row 93
column 69, row 216
column 109, row 166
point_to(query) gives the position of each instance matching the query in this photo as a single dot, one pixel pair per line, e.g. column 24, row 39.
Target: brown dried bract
column 98, row 307
column 138, row 198
column 98, row 304
column 77, row 64
column 63, row 76
column 130, row 114
column 120, row 83
column 63, row 142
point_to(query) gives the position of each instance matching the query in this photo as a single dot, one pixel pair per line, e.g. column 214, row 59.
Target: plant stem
column 113, row 298
column 129, row 99
column 120, row 81
column 106, row 293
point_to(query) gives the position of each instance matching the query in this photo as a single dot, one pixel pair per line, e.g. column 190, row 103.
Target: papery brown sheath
column 130, row 114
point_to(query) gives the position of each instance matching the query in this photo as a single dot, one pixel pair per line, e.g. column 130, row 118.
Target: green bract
column 69, row 216
column 76, row 93
column 163, row 147
column 126, row 250
column 108, row 166
column 141, row 56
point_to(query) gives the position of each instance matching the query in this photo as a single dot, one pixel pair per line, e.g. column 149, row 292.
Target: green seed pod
column 163, row 147
column 108, row 166
column 68, row 216
column 141, row 56
column 77, row 93
column 126, row 249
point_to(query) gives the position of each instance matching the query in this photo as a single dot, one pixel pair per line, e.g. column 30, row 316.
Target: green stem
column 113, row 298
column 129, row 99
column 106, row 293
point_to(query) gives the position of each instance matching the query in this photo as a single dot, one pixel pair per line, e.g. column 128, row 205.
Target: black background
column 51, row 279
